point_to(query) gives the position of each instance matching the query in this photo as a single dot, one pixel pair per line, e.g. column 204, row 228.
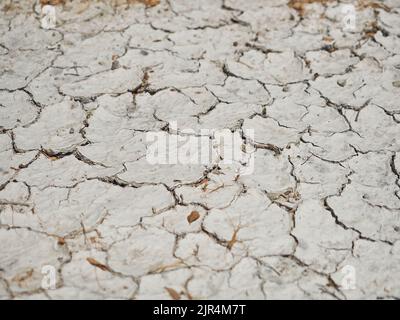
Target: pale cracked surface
column 76, row 190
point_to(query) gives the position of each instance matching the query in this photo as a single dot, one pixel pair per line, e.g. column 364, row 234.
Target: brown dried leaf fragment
column 148, row 3
column 362, row 4
column 205, row 185
column 145, row 83
column 10, row 7
column 371, row 29
column 268, row 146
column 290, row 195
column 299, row 5
column 193, row 216
column 151, row 3
column 51, row 2
column 188, row 295
column 97, row 264
column 233, row 239
column 174, row 295
column 163, row 268
column 19, row 278
column 327, row 39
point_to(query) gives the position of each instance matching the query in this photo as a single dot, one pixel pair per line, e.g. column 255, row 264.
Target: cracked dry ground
column 77, row 193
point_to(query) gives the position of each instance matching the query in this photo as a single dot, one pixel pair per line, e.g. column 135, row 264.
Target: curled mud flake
column 396, row 84
column 115, row 63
